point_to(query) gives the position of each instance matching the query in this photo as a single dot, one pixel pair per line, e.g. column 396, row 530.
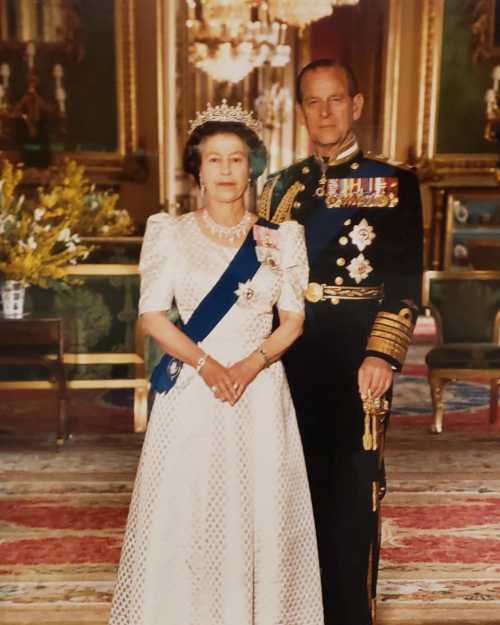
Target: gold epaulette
column 265, row 201
column 391, row 334
column 285, row 205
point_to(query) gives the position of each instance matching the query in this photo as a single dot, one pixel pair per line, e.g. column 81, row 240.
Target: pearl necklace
column 227, row 232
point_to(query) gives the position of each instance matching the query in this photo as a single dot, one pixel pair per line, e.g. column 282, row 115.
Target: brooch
column 359, row 268
column 362, row 235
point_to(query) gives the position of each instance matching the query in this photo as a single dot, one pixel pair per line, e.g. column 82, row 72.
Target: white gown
column 220, row 529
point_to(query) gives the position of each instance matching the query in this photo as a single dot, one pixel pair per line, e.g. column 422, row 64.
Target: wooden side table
column 37, row 341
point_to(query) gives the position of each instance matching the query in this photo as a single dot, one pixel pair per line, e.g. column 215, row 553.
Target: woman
column 220, row 529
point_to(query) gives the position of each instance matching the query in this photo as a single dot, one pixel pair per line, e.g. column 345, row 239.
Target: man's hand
column 376, row 375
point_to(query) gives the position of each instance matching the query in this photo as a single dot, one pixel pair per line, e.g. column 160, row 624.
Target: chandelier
column 300, row 13
column 230, row 38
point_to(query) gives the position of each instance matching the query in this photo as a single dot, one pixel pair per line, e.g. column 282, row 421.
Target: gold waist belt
column 320, row 292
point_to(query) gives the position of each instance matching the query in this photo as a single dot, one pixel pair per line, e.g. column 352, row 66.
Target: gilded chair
column 466, row 307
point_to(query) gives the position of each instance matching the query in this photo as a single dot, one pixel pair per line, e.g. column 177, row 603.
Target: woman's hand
column 219, row 380
column 244, row 371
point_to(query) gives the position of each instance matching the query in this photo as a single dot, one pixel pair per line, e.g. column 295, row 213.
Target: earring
column 202, row 187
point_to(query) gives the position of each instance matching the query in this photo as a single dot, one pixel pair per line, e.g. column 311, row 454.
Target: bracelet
column 262, row 352
column 201, row 363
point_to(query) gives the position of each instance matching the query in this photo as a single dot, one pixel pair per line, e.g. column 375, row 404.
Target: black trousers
column 322, row 372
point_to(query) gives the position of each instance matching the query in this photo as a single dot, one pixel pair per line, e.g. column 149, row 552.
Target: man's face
column 327, row 109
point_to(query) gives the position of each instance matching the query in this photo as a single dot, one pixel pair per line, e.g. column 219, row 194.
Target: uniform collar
column 346, row 154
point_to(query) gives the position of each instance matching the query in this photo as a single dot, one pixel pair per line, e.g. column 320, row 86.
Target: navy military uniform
column 363, row 227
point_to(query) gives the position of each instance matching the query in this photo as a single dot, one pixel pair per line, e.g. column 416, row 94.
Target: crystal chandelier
column 229, row 38
column 300, row 13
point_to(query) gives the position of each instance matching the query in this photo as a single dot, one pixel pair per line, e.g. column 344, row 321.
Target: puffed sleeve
column 295, row 267
column 156, row 264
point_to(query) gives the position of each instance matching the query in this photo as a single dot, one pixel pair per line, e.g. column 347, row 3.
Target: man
column 363, row 227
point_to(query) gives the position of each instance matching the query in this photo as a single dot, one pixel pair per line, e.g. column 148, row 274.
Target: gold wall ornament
column 492, row 101
column 36, row 34
column 486, row 45
column 114, row 161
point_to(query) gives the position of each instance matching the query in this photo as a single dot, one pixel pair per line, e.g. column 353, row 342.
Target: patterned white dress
column 220, row 529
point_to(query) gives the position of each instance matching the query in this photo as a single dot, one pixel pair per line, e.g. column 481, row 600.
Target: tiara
column 224, row 113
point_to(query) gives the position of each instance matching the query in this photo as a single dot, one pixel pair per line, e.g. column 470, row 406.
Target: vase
column 13, row 299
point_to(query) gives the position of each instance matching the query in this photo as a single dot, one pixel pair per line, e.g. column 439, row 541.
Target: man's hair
column 352, row 81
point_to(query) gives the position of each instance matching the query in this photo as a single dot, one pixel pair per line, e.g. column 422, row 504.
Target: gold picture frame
column 431, row 163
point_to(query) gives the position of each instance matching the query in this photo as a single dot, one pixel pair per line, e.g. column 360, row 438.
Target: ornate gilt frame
column 428, row 161
column 110, row 166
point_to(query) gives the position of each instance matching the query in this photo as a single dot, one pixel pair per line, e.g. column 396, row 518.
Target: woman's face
column 224, row 167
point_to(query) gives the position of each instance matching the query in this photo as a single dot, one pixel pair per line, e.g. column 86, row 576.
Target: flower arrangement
column 92, row 212
column 37, row 241
column 40, row 237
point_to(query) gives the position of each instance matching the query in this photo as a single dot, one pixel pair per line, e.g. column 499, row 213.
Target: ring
column 214, row 389
column 236, row 386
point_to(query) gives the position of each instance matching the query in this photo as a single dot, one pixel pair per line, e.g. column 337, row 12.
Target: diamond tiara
column 225, row 113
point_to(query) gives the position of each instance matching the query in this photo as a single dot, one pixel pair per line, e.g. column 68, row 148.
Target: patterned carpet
column 62, row 512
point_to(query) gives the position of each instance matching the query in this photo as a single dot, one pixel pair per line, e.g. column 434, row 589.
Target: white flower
column 39, row 213
column 64, row 235
column 362, row 235
column 32, row 244
column 75, row 238
column 359, row 268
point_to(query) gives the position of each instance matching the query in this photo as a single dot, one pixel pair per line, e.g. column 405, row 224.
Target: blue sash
column 212, row 308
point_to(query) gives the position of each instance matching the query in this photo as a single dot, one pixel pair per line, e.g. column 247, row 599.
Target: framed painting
column 67, row 84
column 454, row 81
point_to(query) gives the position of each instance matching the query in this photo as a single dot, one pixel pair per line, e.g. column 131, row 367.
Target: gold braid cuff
column 391, row 334
column 285, row 206
column 266, row 198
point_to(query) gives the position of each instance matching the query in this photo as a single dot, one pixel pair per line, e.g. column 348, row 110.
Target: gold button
column 347, row 222
column 335, row 300
column 296, row 204
column 340, row 262
column 343, row 240
column 305, row 170
column 339, row 281
column 354, row 165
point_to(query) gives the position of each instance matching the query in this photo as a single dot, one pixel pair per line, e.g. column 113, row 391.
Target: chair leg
column 494, row 400
column 62, row 414
column 437, row 384
column 140, row 409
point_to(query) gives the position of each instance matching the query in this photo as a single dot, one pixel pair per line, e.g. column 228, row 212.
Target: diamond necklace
column 227, row 232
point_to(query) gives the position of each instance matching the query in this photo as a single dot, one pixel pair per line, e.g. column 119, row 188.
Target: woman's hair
column 257, row 153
